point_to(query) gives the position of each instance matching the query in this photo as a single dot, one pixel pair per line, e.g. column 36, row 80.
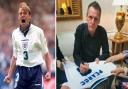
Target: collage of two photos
column 63, row 44
column 91, row 44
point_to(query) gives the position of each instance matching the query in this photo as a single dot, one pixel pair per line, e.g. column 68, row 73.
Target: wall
column 107, row 18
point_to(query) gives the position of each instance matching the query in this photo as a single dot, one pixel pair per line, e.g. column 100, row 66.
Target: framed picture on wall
column 68, row 9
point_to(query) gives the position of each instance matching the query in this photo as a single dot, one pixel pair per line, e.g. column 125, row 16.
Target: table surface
column 124, row 39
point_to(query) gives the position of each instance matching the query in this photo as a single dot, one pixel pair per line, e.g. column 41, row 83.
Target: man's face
column 93, row 19
column 24, row 17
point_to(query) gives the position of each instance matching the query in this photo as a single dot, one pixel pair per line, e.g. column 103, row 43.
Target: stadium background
column 43, row 15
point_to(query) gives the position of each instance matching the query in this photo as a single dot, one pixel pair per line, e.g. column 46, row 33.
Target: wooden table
column 118, row 45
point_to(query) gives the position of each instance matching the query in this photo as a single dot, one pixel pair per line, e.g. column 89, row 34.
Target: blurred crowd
column 43, row 15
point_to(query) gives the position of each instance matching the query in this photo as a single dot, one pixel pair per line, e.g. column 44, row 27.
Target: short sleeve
column 43, row 42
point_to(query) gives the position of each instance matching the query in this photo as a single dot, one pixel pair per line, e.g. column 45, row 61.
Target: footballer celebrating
column 30, row 51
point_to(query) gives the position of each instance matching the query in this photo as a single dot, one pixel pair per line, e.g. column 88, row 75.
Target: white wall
column 107, row 17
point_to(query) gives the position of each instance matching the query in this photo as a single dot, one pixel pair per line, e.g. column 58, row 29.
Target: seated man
column 89, row 39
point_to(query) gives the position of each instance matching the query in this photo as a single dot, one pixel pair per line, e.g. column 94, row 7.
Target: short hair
column 95, row 5
column 24, row 6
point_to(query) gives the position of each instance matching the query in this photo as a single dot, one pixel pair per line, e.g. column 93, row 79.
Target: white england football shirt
column 99, row 73
column 30, row 49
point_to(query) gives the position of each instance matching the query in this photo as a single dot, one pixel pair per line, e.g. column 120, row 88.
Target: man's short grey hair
column 95, row 5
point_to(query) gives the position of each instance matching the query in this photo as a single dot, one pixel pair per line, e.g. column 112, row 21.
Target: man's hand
column 48, row 76
column 12, row 69
column 108, row 60
column 117, row 71
column 60, row 65
column 7, row 79
column 97, row 60
column 84, row 67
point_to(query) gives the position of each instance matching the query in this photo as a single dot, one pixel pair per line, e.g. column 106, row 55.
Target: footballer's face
column 24, row 17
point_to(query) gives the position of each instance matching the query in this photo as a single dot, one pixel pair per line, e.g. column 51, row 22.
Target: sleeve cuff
column 125, row 52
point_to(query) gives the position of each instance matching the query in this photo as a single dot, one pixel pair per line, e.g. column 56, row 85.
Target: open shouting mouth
column 23, row 20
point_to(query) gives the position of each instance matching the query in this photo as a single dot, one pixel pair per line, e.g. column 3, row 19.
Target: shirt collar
column 87, row 32
column 26, row 30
